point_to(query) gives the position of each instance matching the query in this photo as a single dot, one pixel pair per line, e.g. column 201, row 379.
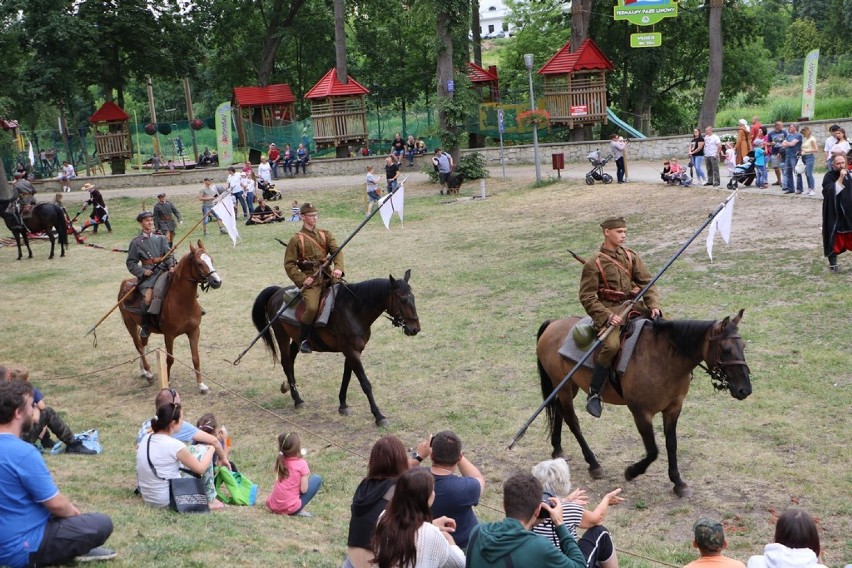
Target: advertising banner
column 224, row 135
column 809, row 83
column 645, row 12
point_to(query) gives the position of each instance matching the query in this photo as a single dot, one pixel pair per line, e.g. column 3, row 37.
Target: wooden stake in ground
column 163, row 368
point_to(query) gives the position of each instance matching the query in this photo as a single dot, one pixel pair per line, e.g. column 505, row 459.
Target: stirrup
column 144, row 331
column 305, row 347
column 593, row 405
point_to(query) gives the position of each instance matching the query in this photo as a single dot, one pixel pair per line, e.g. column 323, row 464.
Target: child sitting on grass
column 295, row 486
column 294, row 211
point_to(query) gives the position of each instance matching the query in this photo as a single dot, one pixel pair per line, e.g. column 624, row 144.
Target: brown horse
column 656, row 380
column 45, row 217
column 356, row 307
column 180, row 314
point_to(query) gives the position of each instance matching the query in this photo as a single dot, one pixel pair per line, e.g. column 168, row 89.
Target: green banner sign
column 645, row 12
column 650, row 39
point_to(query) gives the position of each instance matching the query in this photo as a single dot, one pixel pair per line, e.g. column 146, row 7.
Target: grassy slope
column 486, row 273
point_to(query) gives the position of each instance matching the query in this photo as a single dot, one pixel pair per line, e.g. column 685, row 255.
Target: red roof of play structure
column 260, row 96
column 109, row 112
column 588, row 58
column 329, row 86
column 478, row 74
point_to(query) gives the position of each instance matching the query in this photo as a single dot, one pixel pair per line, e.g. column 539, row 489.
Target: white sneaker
column 811, row 192
column 203, row 389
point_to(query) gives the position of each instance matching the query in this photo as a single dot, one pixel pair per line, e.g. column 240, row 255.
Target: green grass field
column 486, row 273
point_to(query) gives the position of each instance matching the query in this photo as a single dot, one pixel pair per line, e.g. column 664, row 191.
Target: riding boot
column 593, row 403
column 304, row 339
column 146, row 320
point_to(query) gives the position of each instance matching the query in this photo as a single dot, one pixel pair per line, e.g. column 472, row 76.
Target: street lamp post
column 528, row 61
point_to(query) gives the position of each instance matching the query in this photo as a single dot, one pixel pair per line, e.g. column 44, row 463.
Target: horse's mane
column 370, row 292
column 685, row 335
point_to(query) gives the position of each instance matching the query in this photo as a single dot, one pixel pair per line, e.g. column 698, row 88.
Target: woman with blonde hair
column 809, row 150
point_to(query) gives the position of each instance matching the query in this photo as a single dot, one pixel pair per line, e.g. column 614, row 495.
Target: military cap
column 307, row 208
column 159, row 195
column 613, row 223
column 143, row 215
column 709, row 535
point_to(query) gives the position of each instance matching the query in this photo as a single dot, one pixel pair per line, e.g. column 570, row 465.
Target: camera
column 545, row 498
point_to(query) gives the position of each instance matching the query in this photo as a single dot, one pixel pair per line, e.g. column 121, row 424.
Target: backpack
column 238, row 490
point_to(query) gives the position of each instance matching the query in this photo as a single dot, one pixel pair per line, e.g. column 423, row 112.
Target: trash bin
column 558, row 161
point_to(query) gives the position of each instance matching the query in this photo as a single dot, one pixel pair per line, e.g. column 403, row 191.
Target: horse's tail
column 61, row 225
column 258, row 316
column 552, row 410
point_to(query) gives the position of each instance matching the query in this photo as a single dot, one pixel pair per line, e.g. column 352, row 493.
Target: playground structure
column 270, row 106
column 485, row 82
column 111, row 126
column 338, row 112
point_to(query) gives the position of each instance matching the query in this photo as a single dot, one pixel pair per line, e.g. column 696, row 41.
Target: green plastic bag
column 238, row 489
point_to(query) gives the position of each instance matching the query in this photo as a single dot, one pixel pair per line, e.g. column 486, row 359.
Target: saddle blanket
column 569, row 348
column 326, row 306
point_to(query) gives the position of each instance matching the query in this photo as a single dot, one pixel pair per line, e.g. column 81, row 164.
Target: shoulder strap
column 322, row 246
column 148, row 452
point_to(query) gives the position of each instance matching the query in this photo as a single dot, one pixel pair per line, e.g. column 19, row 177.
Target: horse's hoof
column 628, row 474
column 343, row 411
column 148, row 376
column 382, row 422
column 203, row 389
column 683, row 490
column 299, row 404
column 596, row 472
column 557, row 454
column 285, row 388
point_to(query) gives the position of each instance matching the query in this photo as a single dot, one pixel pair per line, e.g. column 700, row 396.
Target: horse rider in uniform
column 148, row 260
column 308, row 251
column 611, row 277
column 24, row 198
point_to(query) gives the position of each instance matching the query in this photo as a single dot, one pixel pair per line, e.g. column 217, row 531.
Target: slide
column 623, row 125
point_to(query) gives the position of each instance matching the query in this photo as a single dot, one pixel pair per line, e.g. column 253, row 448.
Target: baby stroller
column 742, row 174
column 597, row 173
column 268, row 189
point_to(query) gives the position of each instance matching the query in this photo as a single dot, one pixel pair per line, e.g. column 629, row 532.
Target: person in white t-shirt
column 264, row 170
column 829, row 142
column 66, row 176
column 712, row 143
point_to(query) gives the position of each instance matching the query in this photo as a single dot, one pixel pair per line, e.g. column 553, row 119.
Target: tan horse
column 656, row 381
column 180, row 314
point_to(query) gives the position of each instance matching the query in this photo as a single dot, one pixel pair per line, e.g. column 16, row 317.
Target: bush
column 472, row 166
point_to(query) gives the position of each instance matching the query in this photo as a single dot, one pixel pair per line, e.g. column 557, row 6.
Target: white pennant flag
column 32, row 155
column 225, row 210
column 397, row 199
column 722, row 221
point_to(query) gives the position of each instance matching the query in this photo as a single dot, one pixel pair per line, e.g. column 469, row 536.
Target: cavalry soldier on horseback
column 611, row 277
column 147, row 260
column 308, row 251
column 24, row 199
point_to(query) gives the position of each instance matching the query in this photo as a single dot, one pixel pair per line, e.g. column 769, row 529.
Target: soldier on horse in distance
column 610, row 277
column 149, row 260
column 306, row 265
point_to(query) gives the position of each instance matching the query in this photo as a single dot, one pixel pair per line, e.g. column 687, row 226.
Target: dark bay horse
column 656, row 381
column 180, row 313
column 45, row 217
column 356, row 307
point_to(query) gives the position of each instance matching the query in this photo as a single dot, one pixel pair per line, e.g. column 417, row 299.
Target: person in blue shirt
column 792, row 145
column 760, row 163
column 39, row 526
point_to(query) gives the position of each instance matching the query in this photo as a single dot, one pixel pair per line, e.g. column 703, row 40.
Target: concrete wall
column 652, row 149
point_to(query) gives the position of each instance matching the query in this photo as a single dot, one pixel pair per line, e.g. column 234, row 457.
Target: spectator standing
column 754, row 131
column 373, row 191
column 710, row 542
column 39, row 526
column 696, row 155
column 841, row 145
column 455, row 496
column 792, row 146
column 295, row 485
column 235, row 184
column 796, row 543
column 165, row 214
column 836, row 210
column 443, row 163
column 511, row 542
column 264, row 170
column 250, row 184
column 743, row 145
column 207, row 195
column 809, row 150
column 712, row 145
column 760, row 163
column 829, row 143
column 617, row 144
column 777, row 137
column 391, row 173
column 274, row 158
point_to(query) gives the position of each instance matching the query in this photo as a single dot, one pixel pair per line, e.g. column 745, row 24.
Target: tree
column 581, row 13
column 713, row 87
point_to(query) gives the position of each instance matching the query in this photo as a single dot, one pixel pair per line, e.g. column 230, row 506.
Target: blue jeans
column 250, row 200
column 274, row 166
column 809, row 160
column 392, row 185
column 314, row 483
column 697, row 162
column 789, row 169
column 761, row 176
column 410, row 155
column 242, row 199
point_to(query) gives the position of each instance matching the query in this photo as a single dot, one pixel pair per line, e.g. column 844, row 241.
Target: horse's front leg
column 194, row 337
column 343, row 409
column 170, row 343
column 670, row 417
column 644, row 423
column 354, row 362
column 595, row 469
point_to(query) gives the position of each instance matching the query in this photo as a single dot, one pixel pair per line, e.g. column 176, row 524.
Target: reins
column 716, row 367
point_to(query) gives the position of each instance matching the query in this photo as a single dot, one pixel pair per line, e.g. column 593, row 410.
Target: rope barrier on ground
column 96, row 371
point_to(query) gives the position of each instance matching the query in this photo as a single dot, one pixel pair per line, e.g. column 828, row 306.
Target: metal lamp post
column 528, row 61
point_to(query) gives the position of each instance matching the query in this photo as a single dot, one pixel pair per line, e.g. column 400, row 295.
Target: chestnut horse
column 180, row 313
column 356, row 307
column 656, row 381
column 45, row 217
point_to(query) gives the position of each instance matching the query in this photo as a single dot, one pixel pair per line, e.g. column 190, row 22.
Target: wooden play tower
column 270, row 106
column 485, row 82
column 338, row 111
column 111, row 126
column 575, row 85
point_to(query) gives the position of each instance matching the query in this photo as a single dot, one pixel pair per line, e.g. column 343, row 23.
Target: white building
column 493, row 19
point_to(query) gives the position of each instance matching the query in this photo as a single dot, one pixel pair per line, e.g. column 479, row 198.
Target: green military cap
column 613, row 223
column 143, row 215
column 307, row 208
column 709, row 535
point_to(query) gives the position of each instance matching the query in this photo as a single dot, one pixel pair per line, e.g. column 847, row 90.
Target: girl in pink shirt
column 295, row 486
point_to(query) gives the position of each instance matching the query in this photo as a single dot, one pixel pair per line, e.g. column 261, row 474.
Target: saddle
column 293, row 314
column 26, row 210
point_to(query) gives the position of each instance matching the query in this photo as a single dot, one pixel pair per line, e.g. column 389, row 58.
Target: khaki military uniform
column 306, row 252
column 145, row 252
column 609, row 279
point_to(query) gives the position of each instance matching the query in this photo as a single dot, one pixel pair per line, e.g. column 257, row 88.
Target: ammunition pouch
column 607, row 295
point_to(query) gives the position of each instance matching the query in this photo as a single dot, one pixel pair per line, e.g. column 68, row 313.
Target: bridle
column 204, row 281
column 716, row 367
column 396, row 319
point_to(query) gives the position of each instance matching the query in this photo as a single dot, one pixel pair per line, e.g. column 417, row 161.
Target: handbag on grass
column 238, row 489
column 186, row 494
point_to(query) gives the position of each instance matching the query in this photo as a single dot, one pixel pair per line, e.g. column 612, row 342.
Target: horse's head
column 726, row 358
column 203, row 266
column 401, row 306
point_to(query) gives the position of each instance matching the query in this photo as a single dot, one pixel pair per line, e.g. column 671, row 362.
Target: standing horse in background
column 45, row 217
column 656, row 381
column 180, row 314
column 356, row 307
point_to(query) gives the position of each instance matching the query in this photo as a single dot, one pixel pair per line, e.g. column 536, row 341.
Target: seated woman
column 167, row 455
column 796, row 543
column 596, row 543
column 263, row 214
column 406, row 534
